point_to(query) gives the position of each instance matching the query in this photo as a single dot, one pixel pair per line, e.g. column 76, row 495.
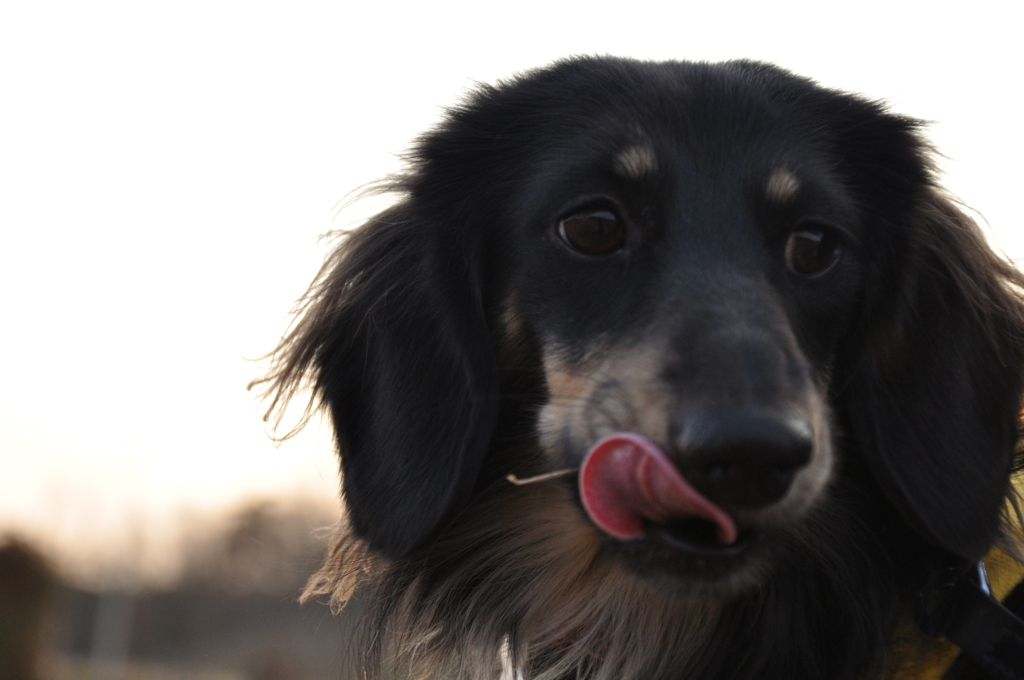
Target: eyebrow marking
column 782, row 186
column 636, row 162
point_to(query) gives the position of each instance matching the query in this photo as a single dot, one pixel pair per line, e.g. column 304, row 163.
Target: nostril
column 745, row 461
column 717, row 470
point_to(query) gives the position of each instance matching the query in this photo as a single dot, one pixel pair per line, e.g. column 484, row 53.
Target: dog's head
column 715, row 289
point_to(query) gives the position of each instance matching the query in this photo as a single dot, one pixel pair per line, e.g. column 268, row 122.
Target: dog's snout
column 745, row 462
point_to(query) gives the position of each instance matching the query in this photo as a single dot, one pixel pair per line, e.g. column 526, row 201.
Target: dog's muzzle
column 731, row 468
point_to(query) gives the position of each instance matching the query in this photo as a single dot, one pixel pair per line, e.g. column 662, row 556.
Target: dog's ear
column 934, row 402
column 393, row 338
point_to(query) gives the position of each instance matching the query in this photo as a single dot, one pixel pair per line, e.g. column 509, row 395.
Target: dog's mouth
column 631, row 490
column 698, row 537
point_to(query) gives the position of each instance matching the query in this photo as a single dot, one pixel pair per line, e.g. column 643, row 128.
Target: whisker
column 540, row 478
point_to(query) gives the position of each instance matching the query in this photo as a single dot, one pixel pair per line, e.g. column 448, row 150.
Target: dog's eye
column 812, row 251
column 594, row 233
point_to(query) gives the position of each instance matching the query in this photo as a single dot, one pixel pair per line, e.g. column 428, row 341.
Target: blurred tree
column 27, row 584
column 267, row 547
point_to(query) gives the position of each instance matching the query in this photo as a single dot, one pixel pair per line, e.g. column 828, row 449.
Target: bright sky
column 166, row 168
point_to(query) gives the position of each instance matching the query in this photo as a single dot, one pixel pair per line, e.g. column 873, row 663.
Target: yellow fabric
column 915, row 656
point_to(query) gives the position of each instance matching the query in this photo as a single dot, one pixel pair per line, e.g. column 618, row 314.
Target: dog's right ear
column 393, row 338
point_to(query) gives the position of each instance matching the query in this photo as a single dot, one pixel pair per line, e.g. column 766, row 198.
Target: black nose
column 744, row 461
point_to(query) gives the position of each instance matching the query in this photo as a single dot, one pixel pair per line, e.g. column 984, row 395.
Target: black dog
column 786, row 365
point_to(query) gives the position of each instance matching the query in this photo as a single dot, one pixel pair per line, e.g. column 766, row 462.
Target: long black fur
column 434, row 385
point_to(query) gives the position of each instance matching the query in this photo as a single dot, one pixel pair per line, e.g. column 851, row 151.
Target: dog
column 664, row 371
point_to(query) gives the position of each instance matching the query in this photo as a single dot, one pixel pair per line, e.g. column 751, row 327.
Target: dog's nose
column 745, row 461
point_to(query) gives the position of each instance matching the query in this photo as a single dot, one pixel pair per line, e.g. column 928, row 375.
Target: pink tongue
column 626, row 479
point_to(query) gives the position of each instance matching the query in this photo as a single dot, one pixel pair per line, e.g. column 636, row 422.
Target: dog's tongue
column 626, row 480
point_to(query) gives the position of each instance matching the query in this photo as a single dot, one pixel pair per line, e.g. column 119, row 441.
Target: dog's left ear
column 934, row 403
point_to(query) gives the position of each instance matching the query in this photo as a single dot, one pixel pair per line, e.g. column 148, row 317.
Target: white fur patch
column 636, row 162
column 782, row 186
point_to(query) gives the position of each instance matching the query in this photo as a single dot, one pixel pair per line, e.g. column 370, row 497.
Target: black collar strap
column 959, row 606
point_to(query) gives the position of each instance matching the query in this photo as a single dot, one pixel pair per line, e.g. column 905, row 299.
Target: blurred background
column 166, row 170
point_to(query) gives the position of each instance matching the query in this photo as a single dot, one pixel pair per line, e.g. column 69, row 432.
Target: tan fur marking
column 636, row 162
column 568, row 388
column 511, row 337
column 782, row 186
column 636, row 399
column 564, row 383
column 512, row 321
